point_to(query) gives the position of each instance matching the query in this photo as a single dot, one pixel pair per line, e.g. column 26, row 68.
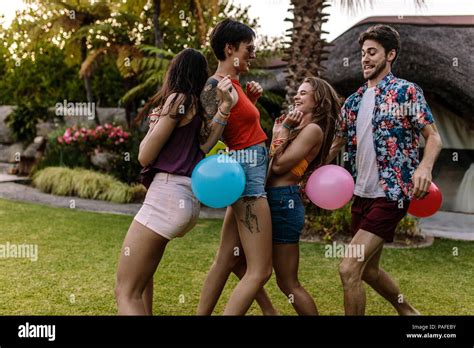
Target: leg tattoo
column 250, row 216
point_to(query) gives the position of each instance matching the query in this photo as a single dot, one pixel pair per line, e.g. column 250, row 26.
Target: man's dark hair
column 385, row 35
column 230, row 32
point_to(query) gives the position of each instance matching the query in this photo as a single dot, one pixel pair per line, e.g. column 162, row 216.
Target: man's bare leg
column 381, row 282
column 352, row 268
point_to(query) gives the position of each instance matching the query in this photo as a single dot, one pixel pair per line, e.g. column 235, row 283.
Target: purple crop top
column 181, row 153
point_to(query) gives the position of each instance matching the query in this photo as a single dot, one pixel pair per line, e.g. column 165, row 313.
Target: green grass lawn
column 78, row 253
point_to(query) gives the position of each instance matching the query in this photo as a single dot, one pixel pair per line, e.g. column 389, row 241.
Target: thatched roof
column 431, row 45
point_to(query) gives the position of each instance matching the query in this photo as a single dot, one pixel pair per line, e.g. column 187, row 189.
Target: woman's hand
column 254, row 91
column 152, row 122
column 153, row 118
column 224, row 92
column 277, row 125
column 293, row 119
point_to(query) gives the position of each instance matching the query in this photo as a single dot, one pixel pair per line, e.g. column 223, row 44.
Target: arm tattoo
column 250, row 217
column 209, row 99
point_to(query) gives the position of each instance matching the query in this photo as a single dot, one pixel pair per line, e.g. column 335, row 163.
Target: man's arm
column 422, row 176
column 336, row 147
column 340, row 136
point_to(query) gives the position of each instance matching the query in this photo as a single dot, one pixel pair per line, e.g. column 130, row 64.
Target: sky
column 271, row 13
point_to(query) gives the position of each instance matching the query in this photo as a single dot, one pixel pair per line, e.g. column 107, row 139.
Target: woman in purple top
column 178, row 137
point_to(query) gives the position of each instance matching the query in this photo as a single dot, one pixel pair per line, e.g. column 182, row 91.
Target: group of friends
column 261, row 230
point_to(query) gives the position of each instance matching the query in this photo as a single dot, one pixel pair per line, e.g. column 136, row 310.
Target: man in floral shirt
column 381, row 124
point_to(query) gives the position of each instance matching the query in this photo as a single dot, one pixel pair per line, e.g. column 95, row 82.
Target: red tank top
column 243, row 127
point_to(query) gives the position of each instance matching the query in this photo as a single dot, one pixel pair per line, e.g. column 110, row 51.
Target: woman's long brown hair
column 326, row 114
column 186, row 75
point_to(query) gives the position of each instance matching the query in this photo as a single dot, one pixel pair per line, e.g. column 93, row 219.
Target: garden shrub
column 23, row 120
column 328, row 224
column 86, row 184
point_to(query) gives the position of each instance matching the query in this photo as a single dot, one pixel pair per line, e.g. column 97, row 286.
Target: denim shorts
column 254, row 161
column 288, row 213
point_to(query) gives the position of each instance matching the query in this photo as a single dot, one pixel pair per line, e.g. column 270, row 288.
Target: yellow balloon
column 219, row 146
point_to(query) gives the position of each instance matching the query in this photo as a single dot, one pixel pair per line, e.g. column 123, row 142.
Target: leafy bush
column 125, row 165
column 86, row 184
column 328, row 224
column 23, row 120
column 408, row 230
column 42, row 75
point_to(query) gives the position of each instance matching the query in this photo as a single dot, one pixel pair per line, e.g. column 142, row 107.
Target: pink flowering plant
column 77, row 146
column 103, row 138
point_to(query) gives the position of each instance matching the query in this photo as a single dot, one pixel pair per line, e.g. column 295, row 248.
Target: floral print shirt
column 399, row 114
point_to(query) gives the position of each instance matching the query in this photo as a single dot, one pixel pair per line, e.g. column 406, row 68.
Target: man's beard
column 378, row 70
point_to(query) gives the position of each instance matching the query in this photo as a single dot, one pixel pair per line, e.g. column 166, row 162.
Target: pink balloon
column 330, row 187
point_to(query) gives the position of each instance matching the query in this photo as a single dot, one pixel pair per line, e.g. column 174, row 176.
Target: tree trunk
column 88, row 82
column 201, row 24
column 307, row 49
column 156, row 20
column 130, row 108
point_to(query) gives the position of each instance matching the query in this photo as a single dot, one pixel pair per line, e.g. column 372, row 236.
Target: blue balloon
column 218, row 181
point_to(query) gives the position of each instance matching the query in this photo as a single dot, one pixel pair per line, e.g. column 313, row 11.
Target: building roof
column 421, row 20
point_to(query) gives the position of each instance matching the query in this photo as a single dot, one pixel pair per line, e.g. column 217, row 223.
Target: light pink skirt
column 170, row 207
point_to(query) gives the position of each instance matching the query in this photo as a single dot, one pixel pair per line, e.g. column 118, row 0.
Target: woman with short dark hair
column 247, row 223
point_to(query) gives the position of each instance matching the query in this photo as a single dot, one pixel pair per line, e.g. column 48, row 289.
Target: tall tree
column 307, row 49
column 156, row 23
column 57, row 20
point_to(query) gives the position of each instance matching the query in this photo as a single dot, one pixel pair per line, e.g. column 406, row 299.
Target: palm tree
column 69, row 17
column 152, row 66
column 156, row 18
column 147, row 64
column 307, row 49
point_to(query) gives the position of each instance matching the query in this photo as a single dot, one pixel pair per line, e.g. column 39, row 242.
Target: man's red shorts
column 377, row 215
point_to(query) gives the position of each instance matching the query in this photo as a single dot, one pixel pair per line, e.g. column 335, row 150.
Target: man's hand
column 422, row 181
column 254, row 91
column 422, row 175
